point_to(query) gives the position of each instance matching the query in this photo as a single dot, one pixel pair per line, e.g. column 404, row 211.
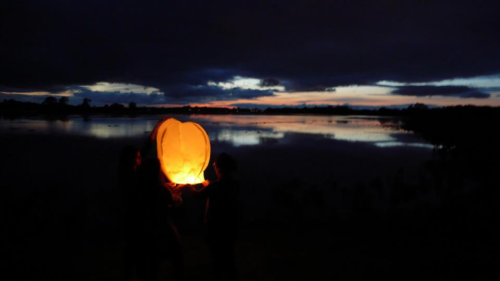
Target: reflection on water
column 239, row 137
column 395, row 143
column 239, row 130
column 97, row 127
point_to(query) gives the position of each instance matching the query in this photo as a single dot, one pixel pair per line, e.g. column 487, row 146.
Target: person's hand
column 182, row 186
column 177, row 198
column 205, row 183
column 171, row 185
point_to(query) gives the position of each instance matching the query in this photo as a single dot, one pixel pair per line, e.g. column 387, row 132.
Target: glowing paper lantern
column 183, row 150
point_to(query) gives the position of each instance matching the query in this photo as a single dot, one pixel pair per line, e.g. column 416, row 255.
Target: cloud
column 491, row 89
column 211, row 92
column 246, row 83
column 269, row 82
column 177, row 47
column 178, row 94
column 121, row 88
column 444, row 91
column 101, row 98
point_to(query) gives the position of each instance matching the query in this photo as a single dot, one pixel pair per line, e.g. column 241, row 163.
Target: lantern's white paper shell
column 183, row 150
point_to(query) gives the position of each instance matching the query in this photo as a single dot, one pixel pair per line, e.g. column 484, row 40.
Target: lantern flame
column 183, row 150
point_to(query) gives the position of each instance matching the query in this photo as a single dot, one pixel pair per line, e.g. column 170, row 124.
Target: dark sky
column 303, row 46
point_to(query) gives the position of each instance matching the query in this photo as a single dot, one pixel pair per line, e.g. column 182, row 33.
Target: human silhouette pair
column 147, row 199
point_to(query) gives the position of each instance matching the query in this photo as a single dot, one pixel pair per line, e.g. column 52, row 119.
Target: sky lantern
column 183, row 150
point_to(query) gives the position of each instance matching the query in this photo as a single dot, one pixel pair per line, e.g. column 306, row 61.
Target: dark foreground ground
column 265, row 252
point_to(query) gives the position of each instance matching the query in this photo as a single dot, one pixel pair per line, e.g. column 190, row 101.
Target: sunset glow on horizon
column 378, row 95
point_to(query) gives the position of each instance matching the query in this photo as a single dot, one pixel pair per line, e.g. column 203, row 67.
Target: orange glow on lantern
column 183, row 151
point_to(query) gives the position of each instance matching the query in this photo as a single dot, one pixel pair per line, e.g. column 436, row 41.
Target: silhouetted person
column 129, row 162
column 156, row 235
column 221, row 216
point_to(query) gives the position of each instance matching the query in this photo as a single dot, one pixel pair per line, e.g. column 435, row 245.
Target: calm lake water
column 58, row 180
column 237, row 130
column 277, row 155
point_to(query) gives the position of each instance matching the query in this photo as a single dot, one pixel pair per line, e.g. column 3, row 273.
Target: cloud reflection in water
column 346, row 128
column 239, row 130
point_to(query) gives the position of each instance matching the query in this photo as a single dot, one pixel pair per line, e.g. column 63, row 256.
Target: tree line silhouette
column 53, row 106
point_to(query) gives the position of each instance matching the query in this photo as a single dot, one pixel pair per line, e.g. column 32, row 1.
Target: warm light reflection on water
column 239, row 130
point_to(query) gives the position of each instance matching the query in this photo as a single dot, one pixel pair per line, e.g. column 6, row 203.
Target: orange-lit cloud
column 357, row 96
